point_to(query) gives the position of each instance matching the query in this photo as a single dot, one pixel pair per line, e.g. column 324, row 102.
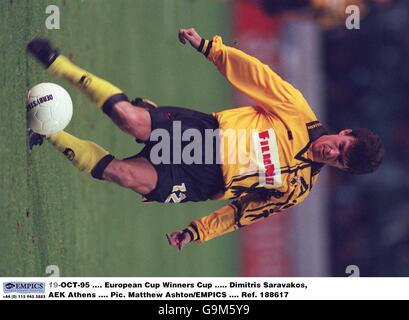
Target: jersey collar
column 315, row 130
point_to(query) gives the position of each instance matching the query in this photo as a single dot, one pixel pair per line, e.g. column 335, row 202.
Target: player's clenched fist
column 190, row 35
column 179, row 239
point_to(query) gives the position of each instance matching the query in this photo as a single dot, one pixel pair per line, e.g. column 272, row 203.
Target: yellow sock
column 86, row 155
column 97, row 89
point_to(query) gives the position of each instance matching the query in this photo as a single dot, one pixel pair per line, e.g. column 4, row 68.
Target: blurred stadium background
column 50, row 214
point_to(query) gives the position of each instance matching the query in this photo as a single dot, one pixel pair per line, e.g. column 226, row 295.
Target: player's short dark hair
column 367, row 152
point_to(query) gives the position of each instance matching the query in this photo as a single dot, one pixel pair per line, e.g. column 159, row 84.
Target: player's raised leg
column 85, row 155
column 136, row 174
column 133, row 120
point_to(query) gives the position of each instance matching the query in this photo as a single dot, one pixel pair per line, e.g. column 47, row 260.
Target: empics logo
column 24, row 287
column 9, row 286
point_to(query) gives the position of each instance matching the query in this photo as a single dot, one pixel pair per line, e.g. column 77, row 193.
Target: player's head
column 356, row 151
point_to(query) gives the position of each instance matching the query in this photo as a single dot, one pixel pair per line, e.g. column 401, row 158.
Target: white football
column 49, row 108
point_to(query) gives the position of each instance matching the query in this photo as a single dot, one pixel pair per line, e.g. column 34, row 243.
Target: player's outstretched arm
column 190, row 35
column 246, row 73
column 179, row 239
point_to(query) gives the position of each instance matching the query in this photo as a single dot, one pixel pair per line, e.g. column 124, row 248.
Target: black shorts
column 178, row 181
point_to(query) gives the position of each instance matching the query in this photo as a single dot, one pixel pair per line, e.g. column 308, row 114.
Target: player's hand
column 179, row 239
column 190, row 35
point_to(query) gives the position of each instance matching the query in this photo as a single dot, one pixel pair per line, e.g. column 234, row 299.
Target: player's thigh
column 137, row 174
column 132, row 119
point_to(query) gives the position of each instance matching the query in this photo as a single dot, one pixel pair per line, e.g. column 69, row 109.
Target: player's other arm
column 244, row 72
column 220, row 222
column 242, row 212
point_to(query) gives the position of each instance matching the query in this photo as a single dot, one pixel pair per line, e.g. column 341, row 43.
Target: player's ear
column 345, row 132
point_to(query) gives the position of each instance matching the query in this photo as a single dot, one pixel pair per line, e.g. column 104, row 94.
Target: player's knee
column 122, row 114
column 139, row 181
column 134, row 183
column 128, row 176
column 129, row 117
column 141, row 189
column 124, row 181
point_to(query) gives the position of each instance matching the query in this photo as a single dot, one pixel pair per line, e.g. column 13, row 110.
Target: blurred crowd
column 327, row 13
column 367, row 85
column 367, row 79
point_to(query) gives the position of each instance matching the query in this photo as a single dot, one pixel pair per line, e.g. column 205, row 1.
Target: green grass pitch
column 50, row 214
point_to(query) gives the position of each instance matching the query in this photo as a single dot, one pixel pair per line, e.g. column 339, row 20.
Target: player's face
column 331, row 149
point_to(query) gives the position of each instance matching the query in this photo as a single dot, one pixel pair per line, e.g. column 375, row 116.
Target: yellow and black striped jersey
column 268, row 167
